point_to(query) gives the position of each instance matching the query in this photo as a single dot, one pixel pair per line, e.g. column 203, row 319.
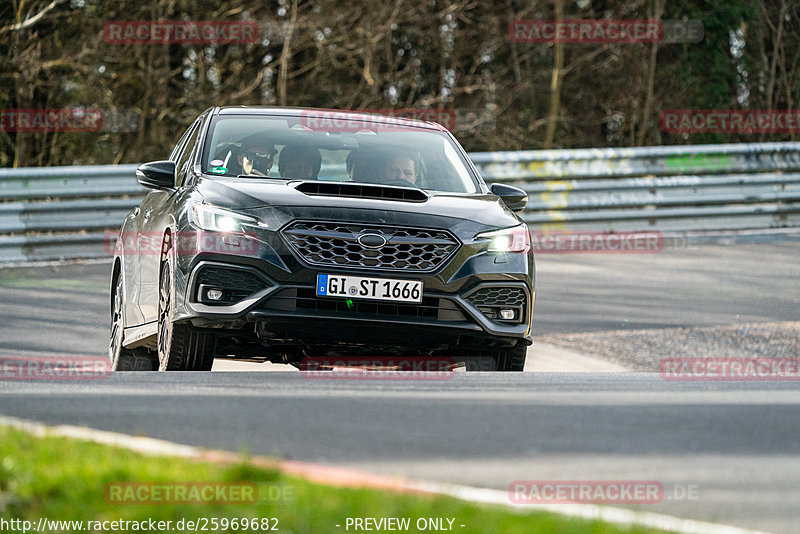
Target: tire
column 480, row 363
column 180, row 347
column 506, row 359
column 512, row 359
column 120, row 358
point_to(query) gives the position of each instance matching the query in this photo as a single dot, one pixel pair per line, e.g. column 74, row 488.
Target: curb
column 346, row 477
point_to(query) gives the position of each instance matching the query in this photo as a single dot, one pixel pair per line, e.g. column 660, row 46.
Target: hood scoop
column 356, row 190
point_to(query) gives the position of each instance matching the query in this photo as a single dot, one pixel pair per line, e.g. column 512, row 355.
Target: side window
column 185, row 157
column 177, row 150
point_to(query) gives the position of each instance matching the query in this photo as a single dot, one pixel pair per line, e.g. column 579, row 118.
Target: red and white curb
column 346, row 477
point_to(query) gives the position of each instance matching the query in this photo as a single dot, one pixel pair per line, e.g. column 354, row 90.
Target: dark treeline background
column 380, row 54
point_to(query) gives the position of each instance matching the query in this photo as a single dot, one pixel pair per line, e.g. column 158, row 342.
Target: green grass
column 66, row 479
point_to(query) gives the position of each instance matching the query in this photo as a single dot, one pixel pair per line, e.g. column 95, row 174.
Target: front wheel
column 513, row 358
column 504, row 359
column 180, row 347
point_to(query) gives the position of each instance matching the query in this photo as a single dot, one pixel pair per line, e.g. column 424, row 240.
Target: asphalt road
column 65, row 309
column 737, row 444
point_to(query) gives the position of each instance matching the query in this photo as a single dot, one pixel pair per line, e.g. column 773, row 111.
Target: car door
column 157, row 214
column 138, row 249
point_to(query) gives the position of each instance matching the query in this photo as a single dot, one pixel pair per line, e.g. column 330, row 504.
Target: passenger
column 301, row 162
column 358, row 166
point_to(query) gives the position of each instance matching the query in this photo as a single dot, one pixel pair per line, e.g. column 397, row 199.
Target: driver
column 299, row 161
column 399, row 167
column 255, row 158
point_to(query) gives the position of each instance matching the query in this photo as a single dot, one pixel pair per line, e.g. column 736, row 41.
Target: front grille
column 333, row 244
column 236, row 284
column 490, row 300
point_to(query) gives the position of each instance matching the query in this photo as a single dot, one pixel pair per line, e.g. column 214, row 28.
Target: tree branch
column 30, row 21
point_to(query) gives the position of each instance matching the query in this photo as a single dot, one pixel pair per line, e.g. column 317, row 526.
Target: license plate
column 359, row 287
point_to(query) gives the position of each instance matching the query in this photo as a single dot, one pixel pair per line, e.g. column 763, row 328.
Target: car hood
column 255, row 195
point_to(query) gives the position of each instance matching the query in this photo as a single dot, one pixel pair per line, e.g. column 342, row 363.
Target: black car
column 282, row 234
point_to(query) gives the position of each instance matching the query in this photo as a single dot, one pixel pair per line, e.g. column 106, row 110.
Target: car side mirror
column 157, row 174
column 515, row 198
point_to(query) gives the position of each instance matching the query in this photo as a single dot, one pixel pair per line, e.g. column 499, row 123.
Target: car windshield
column 336, row 149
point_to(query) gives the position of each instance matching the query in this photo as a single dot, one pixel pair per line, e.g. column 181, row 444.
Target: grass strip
column 73, row 480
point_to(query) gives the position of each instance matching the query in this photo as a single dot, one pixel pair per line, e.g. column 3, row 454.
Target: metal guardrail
column 68, row 212
column 91, row 181
column 667, row 189
column 622, row 162
column 61, row 212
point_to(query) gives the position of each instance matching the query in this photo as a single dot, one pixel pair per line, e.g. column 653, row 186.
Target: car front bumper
column 274, row 291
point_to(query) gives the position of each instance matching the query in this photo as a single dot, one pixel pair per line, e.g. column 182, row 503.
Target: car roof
column 322, row 113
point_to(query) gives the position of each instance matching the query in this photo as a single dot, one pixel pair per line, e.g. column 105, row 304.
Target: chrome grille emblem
column 371, row 240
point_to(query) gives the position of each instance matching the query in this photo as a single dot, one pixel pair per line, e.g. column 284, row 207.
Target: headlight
column 216, row 219
column 515, row 239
